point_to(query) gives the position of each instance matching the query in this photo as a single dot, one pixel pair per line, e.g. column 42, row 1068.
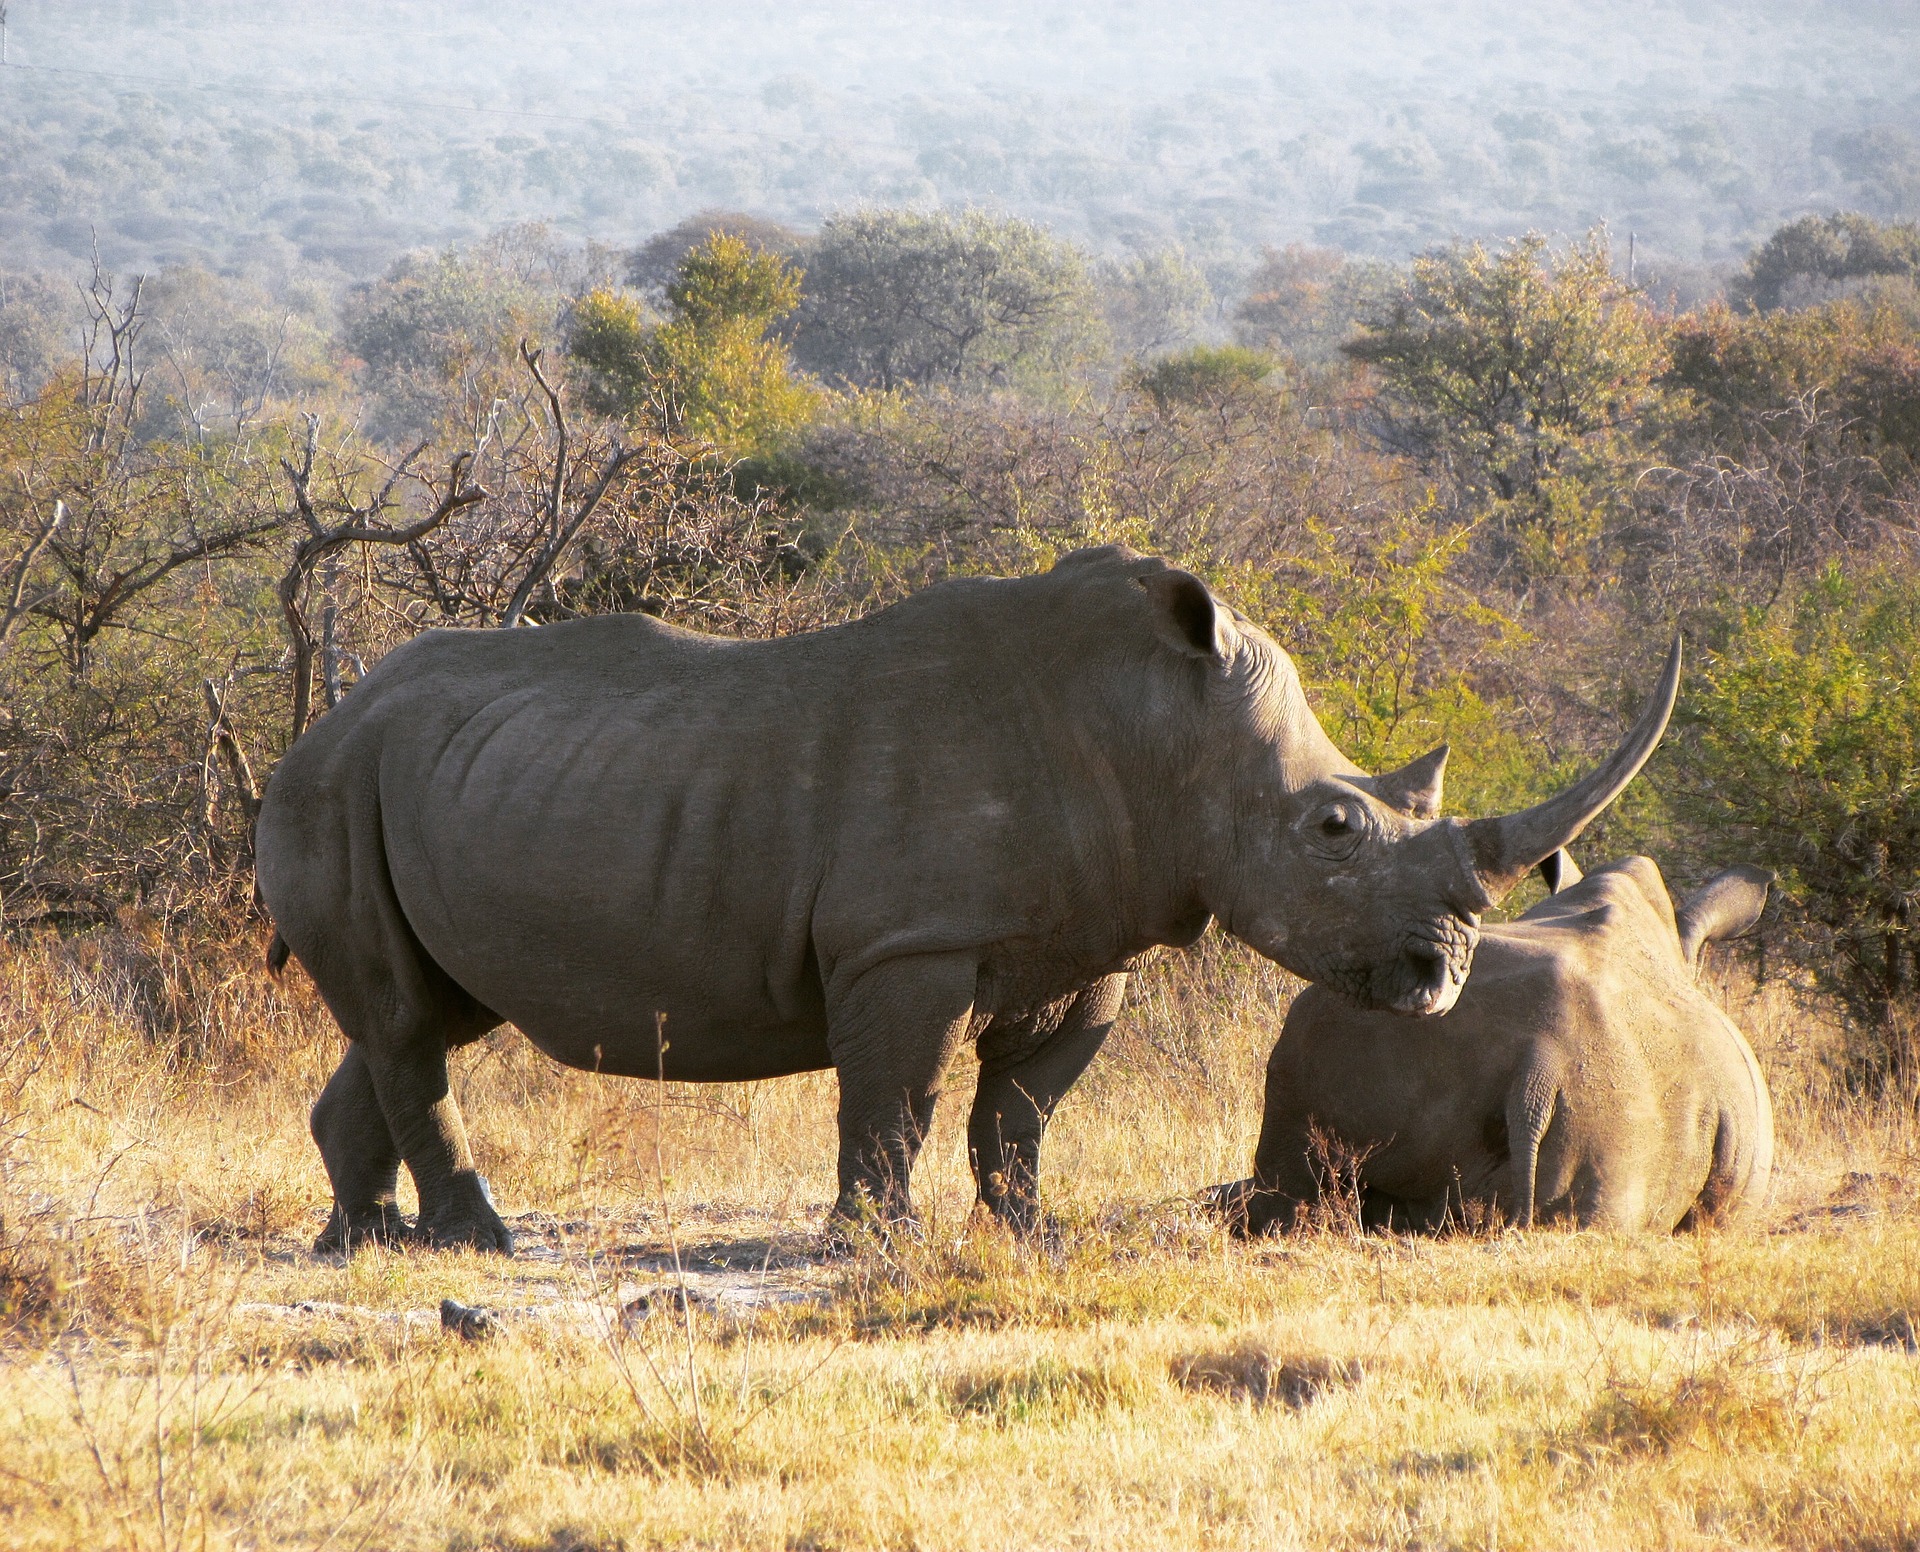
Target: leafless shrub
column 1339, row 1173
column 1739, row 525
column 1235, row 476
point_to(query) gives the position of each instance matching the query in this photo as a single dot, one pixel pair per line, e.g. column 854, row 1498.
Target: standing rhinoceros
column 1582, row 1074
column 657, row 852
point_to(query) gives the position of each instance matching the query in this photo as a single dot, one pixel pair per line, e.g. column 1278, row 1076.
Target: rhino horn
column 1415, row 788
column 1504, row 849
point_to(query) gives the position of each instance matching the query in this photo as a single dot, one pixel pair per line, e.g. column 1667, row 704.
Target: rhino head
column 1350, row 880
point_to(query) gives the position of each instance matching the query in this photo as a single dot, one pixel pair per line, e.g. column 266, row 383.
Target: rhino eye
column 1336, row 829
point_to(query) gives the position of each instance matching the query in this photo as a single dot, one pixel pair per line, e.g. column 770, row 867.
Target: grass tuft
column 1255, row 1374
column 1741, row 1397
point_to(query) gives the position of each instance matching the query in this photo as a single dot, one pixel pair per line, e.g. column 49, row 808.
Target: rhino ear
column 1725, row 906
column 1559, row 871
column 1185, row 616
column 1415, row 788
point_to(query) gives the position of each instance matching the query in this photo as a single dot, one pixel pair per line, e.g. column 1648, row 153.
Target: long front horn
column 1505, row 848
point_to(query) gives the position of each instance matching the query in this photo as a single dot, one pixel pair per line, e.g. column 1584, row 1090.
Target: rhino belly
column 610, row 894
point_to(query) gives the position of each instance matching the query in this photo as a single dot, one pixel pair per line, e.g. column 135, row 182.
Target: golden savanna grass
column 1135, row 1380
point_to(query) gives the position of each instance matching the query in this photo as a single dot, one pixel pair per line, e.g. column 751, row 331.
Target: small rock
column 675, row 1297
column 469, row 1322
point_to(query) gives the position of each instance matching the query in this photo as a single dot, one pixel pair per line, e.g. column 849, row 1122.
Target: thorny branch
column 357, row 524
column 562, row 526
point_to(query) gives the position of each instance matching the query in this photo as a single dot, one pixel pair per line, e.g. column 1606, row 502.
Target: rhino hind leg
column 1725, row 1195
column 363, row 1165
column 410, row 1075
column 1021, row 1081
column 892, row 1035
column 400, row 1012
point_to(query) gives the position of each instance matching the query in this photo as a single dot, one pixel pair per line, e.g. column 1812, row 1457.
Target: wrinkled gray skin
column 1582, row 1075
column 960, row 817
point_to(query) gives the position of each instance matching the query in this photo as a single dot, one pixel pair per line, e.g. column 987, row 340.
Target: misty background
column 265, row 137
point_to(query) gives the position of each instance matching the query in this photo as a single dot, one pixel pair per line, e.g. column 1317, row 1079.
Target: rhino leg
column 424, row 1119
column 1283, row 1172
column 1022, row 1078
column 363, row 1164
column 892, row 1035
column 401, row 1011
column 1530, row 1106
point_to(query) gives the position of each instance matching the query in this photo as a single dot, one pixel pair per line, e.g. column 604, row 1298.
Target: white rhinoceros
column 1581, row 1075
column 661, row 853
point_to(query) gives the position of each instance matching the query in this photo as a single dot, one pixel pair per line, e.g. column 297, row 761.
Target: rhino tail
column 277, row 953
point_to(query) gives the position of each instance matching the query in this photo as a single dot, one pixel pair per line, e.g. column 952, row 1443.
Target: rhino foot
column 1248, row 1209
column 1228, row 1202
column 466, row 1217
column 349, row 1228
column 1024, row 1219
column 857, row 1225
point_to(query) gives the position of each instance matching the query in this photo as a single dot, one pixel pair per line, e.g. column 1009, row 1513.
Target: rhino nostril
column 1429, row 963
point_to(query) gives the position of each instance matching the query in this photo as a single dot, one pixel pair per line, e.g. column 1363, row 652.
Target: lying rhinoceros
column 1581, row 1075
column 663, row 854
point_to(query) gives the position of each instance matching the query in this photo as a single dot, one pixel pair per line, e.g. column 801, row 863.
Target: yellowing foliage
column 712, row 371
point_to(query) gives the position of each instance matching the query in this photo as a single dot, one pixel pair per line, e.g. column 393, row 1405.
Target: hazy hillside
column 263, row 133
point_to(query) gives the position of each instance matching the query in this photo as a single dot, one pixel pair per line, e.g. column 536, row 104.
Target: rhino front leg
column 892, row 1034
column 1021, row 1081
column 1283, row 1180
column 363, row 1165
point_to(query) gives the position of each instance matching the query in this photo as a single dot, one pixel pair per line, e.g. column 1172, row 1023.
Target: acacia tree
column 900, row 297
column 1828, row 251
column 1154, row 301
column 113, row 516
column 122, row 585
column 1307, row 301
column 1520, row 379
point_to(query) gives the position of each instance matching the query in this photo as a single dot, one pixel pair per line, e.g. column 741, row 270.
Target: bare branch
column 356, row 527
column 239, row 768
column 561, row 528
column 18, row 606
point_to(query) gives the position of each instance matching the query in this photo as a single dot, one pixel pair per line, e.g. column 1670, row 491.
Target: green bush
column 712, row 371
column 1524, row 380
column 1801, row 741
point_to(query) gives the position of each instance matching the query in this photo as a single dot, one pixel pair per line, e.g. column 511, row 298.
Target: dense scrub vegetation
column 1472, row 496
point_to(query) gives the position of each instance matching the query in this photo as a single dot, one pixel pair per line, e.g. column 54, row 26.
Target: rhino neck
column 1127, row 824
column 1269, row 749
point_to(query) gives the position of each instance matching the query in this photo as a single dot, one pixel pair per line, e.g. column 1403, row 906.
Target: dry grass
column 1137, row 1381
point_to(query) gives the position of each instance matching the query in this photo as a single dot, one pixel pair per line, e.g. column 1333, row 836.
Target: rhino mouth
column 1434, row 979
column 1422, row 979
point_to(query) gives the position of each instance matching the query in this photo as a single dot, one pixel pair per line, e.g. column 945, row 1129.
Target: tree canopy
column 899, row 297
